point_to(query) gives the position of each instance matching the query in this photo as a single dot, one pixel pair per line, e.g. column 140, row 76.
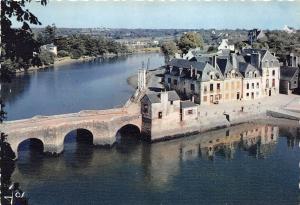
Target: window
column 247, row 85
column 175, row 82
column 159, row 115
column 204, row 98
column 226, row 86
column 145, row 108
column 252, row 85
column 273, row 82
column 171, row 102
column 192, row 87
column 257, row 85
column 227, row 96
column 211, row 77
column 232, row 85
column 218, row 86
column 255, row 75
column 237, row 85
column 247, row 94
column 211, row 87
column 205, row 89
column 273, row 72
column 190, row 112
column 267, row 72
column 267, row 83
column 169, row 80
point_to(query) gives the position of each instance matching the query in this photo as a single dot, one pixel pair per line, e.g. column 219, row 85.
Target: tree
column 18, row 43
column 169, row 49
column 190, row 40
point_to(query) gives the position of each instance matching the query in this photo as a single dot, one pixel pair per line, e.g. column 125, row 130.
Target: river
column 246, row 164
column 71, row 88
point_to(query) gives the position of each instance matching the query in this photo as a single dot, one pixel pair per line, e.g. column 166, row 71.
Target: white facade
column 225, row 45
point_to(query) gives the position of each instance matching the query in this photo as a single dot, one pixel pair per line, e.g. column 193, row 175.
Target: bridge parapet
column 51, row 130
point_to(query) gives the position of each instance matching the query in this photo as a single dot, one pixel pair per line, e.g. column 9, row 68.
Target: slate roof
column 243, row 67
column 154, row 97
column 224, row 65
column 173, row 96
column 182, row 63
column 287, row 72
column 187, row 104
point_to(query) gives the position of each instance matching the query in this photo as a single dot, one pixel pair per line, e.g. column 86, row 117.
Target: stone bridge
column 51, row 130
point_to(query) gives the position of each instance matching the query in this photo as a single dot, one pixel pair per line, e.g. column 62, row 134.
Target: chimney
column 180, row 71
column 164, row 97
column 234, row 60
column 170, row 68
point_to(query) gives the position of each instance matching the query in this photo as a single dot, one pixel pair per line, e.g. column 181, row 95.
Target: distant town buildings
column 289, row 30
column 226, row 45
column 255, row 35
column 50, row 48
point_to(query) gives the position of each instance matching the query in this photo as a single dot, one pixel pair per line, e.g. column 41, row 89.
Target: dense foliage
column 85, row 45
column 18, row 44
column 190, row 40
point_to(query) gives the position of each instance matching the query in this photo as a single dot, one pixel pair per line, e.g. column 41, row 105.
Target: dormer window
column 211, row 77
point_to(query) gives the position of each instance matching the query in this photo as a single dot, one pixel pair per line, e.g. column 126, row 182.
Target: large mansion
column 224, row 76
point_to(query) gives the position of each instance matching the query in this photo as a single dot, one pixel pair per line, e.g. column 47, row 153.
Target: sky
column 178, row 14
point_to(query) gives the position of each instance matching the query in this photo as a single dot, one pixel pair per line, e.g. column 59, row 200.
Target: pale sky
column 179, row 14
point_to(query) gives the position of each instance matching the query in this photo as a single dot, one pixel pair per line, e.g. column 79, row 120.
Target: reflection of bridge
column 51, row 130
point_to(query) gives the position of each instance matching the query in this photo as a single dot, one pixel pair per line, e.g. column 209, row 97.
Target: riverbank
column 68, row 60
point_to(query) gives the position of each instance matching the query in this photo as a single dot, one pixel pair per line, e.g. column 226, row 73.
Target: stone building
column 164, row 115
column 269, row 67
column 232, row 80
column 289, row 79
column 198, row 81
column 251, row 81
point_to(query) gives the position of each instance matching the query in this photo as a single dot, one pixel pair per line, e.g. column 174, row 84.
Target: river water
column 71, row 88
column 246, row 164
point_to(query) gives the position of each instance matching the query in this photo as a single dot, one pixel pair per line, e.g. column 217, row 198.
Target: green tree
column 190, row 40
column 18, row 43
column 169, row 49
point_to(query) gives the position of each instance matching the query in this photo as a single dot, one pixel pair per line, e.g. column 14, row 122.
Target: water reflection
column 153, row 168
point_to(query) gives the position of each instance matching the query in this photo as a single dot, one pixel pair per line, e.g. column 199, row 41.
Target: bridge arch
column 81, row 135
column 128, row 132
column 32, row 144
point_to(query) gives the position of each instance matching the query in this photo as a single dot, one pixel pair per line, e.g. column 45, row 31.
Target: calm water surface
column 71, row 88
column 248, row 164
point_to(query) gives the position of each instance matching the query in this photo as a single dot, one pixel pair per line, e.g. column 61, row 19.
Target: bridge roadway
column 51, row 130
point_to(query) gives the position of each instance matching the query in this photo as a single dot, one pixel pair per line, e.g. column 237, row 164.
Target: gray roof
column 154, row 97
column 287, row 72
column 224, row 65
column 187, row 104
column 173, row 96
column 182, row 63
column 243, row 67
